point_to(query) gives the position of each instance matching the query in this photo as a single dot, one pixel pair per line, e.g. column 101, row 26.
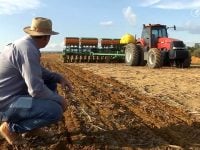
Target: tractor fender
column 141, row 42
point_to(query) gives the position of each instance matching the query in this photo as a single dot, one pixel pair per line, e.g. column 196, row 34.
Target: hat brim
column 34, row 33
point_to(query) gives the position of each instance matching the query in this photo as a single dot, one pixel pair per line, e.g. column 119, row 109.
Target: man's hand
column 67, row 88
column 66, row 85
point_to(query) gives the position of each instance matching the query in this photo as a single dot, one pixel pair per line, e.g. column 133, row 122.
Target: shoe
column 37, row 132
column 11, row 137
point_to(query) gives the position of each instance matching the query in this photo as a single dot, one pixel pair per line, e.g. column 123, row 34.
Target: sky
column 100, row 18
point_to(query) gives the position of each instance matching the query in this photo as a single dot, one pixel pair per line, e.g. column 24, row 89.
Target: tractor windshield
column 159, row 31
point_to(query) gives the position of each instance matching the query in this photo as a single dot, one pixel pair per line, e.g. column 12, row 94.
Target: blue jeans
column 27, row 113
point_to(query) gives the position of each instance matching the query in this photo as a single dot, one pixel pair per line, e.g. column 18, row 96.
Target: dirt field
column 115, row 106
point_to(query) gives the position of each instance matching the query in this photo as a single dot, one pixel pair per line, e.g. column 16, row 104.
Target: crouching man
column 28, row 100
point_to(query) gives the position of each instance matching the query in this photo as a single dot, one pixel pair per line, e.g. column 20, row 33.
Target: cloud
column 190, row 27
column 195, row 12
column 54, row 47
column 148, row 2
column 129, row 15
column 9, row 7
column 171, row 4
column 106, row 23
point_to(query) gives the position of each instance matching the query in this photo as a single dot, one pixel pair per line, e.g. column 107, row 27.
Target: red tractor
column 156, row 49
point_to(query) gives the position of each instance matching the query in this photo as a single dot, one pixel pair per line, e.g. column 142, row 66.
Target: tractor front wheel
column 142, row 62
column 184, row 63
column 155, row 59
column 132, row 54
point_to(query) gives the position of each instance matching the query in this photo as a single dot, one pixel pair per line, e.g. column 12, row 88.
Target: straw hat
column 40, row 26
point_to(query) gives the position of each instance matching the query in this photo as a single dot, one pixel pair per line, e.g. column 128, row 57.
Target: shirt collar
column 31, row 40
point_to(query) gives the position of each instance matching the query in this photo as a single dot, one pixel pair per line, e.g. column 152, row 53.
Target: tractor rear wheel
column 132, row 54
column 155, row 59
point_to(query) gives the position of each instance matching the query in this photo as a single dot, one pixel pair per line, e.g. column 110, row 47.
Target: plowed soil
column 115, row 106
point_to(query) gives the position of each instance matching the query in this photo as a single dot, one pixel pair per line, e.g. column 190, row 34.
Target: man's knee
column 47, row 109
column 56, row 112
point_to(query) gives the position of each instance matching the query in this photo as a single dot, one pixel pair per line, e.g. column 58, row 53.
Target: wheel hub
column 152, row 58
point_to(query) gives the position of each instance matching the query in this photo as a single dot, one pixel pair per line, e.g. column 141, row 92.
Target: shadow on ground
column 174, row 136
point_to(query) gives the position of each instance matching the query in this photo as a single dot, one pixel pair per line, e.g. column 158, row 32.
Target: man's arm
column 55, row 77
column 31, row 71
column 50, row 76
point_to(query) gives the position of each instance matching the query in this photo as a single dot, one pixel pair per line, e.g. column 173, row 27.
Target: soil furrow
column 107, row 113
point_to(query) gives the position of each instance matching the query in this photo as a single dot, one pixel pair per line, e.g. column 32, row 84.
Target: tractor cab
column 151, row 33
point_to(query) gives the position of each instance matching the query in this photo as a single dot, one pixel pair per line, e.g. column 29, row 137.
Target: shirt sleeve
column 31, row 71
column 50, row 76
